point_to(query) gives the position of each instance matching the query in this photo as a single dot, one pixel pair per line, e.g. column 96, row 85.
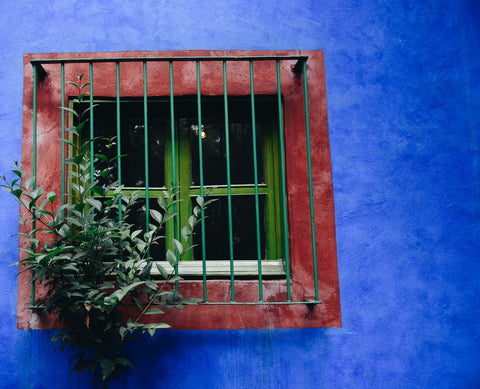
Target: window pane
column 132, row 140
column 244, row 229
column 240, row 142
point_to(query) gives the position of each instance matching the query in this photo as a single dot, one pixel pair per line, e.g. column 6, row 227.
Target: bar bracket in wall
column 298, row 67
column 42, row 73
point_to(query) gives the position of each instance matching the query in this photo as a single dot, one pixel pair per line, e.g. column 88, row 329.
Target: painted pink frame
column 326, row 314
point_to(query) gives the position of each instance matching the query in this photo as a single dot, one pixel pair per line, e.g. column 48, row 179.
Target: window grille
column 235, row 268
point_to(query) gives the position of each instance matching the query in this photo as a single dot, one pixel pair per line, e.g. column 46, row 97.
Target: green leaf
column 106, row 285
column 51, row 196
column 193, row 300
column 168, row 217
column 135, row 234
column 186, row 232
column 108, row 367
column 156, row 215
column 151, row 285
column 64, row 231
column 123, row 331
column 162, row 202
column 137, row 302
column 124, row 362
column 94, row 203
column 103, row 157
column 154, row 311
column 178, row 246
column 36, row 193
column 171, row 258
column 122, row 292
column 208, row 202
column 19, row 173
column 29, row 181
column 68, row 142
column 74, row 84
column 71, row 266
column 197, row 210
column 162, row 271
column 16, row 192
column 88, row 110
column 72, row 129
column 72, row 111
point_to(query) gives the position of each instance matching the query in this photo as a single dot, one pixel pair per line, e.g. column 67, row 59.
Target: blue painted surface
column 404, row 100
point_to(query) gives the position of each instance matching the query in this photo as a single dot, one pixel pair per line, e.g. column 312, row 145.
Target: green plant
column 93, row 261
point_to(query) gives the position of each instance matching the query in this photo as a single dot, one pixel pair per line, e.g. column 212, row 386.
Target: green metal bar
column 174, row 158
column 34, row 163
column 310, row 185
column 222, row 190
column 284, row 187
column 229, row 184
column 200, row 164
column 172, row 127
column 194, row 192
column 62, row 88
column 308, row 302
column 119, row 149
column 145, row 141
column 92, row 167
column 255, row 175
column 159, row 59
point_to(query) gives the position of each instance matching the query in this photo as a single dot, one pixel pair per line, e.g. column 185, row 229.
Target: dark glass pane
column 244, row 229
column 132, row 140
column 214, row 142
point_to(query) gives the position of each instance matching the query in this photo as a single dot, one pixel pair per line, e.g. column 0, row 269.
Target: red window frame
column 229, row 316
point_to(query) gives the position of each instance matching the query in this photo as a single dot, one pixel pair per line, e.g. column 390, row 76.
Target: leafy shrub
column 93, row 261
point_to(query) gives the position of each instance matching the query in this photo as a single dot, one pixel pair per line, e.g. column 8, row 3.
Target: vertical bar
column 34, row 162
column 62, row 88
column 145, row 142
column 310, row 185
column 119, row 149
column 255, row 174
column 172, row 131
column 284, row 188
column 200, row 157
column 174, row 158
column 229, row 184
column 92, row 157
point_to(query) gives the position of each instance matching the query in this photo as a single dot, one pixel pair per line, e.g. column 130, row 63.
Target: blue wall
column 403, row 100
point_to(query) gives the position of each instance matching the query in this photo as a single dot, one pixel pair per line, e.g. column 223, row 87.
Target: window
column 229, row 173
column 237, row 125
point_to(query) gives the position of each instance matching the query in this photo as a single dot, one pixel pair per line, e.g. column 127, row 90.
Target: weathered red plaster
column 184, row 73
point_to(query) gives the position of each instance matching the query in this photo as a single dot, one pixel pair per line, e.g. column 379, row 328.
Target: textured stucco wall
column 403, row 101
